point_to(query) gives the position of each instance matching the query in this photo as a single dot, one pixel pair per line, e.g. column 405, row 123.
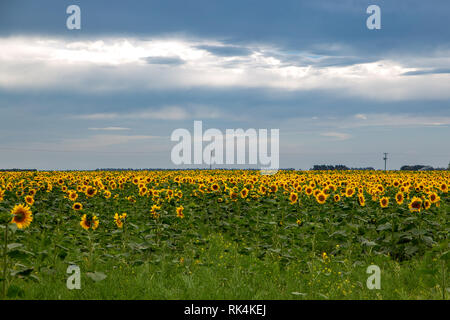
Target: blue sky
column 110, row 94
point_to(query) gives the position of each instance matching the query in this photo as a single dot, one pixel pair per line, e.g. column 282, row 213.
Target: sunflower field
column 224, row 234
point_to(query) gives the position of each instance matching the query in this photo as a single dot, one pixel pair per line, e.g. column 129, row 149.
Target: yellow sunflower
column 321, row 197
column 293, row 197
column 29, row 200
column 427, row 204
column 233, row 195
column 120, row 219
column 90, row 192
column 399, row 197
column 349, row 192
column 361, row 200
column 89, row 222
column 415, row 205
column 77, row 206
column 180, row 213
column 73, row 195
column 384, row 202
column 433, row 197
column 22, row 216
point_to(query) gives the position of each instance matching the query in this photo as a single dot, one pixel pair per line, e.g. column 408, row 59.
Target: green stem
column 124, row 235
column 91, row 249
column 5, row 260
column 444, row 286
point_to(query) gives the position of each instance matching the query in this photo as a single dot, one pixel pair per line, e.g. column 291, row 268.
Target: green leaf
column 15, row 291
column 410, row 250
column 20, row 254
column 341, row 233
column 13, row 246
column 96, row 276
column 386, row 226
column 445, row 255
column 368, row 243
column 22, row 273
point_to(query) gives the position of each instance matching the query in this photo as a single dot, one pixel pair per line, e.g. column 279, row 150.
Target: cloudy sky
column 111, row 94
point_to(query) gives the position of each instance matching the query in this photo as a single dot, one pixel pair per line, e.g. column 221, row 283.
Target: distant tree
column 416, row 167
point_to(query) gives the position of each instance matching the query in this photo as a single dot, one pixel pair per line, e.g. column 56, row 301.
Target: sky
column 110, row 94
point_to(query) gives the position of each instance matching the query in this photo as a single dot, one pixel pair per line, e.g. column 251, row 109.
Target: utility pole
column 210, row 160
column 385, row 159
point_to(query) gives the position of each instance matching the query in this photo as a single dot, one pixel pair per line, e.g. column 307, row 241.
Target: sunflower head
column 349, row 192
column 293, row 197
column 361, row 200
column 120, row 219
column 91, row 191
column 433, row 197
column 384, row 202
column 29, row 200
column 77, row 206
column 321, row 197
column 89, row 221
column 399, row 197
column 73, row 195
column 415, row 205
column 22, row 216
column 180, row 213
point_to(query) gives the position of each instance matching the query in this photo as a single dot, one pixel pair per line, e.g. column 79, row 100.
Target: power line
column 385, row 160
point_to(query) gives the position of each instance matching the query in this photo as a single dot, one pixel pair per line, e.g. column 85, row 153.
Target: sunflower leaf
column 96, row 276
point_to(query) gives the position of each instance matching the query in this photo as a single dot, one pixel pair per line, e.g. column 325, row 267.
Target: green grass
column 219, row 271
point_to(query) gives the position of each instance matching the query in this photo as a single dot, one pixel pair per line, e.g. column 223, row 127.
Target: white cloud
column 360, row 116
column 110, row 129
column 332, row 126
column 94, row 142
column 394, row 120
column 165, row 113
column 336, row 135
column 122, row 63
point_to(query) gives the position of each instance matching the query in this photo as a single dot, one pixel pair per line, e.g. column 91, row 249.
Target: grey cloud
column 318, row 60
column 226, row 51
column 164, row 60
column 427, row 71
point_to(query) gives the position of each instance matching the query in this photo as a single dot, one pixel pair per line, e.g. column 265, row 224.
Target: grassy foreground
column 221, row 272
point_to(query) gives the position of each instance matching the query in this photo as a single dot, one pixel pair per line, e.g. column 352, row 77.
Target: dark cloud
column 226, row 51
column 407, row 25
